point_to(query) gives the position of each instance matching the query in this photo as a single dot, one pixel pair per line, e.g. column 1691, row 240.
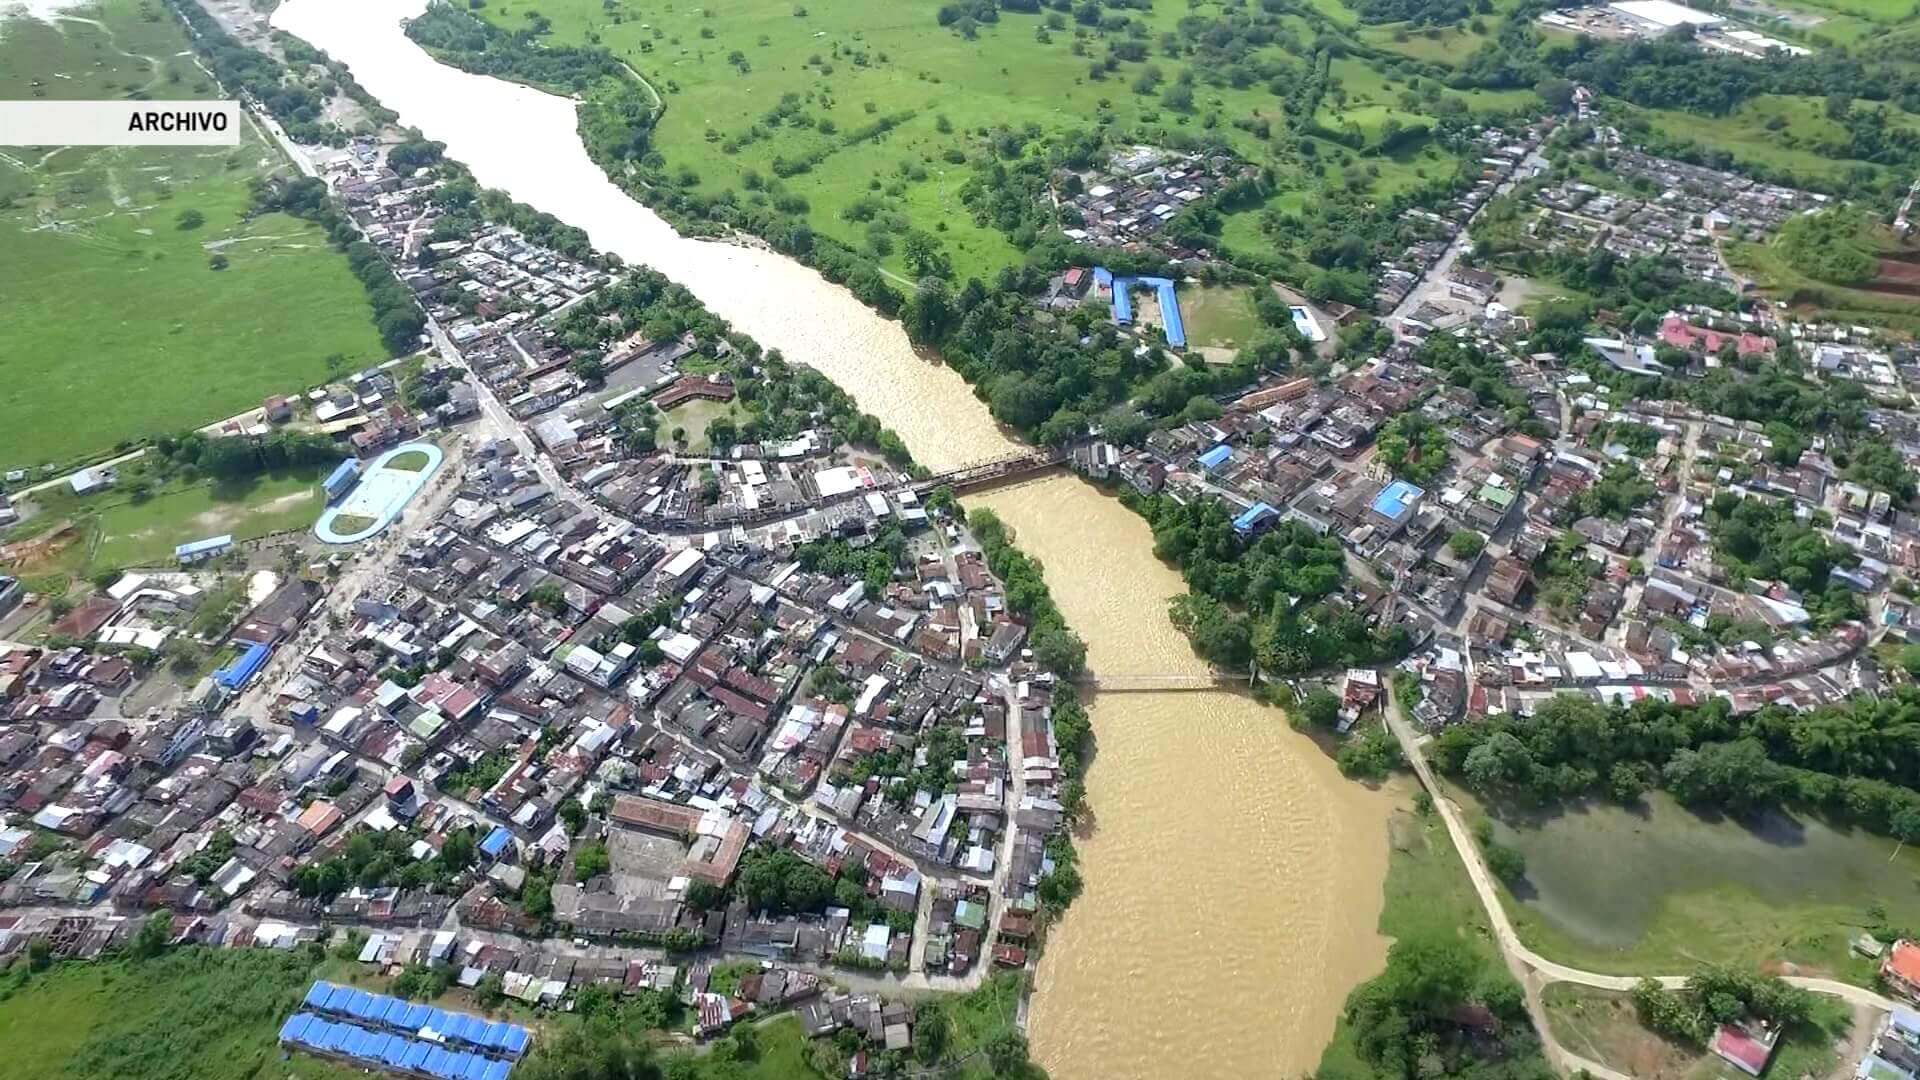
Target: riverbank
column 1223, row 849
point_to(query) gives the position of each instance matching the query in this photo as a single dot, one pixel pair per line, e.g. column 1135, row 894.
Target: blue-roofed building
column 417, row 1053
column 201, row 550
column 237, row 674
column 516, row 1040
column 498, row 1070
column 296, row 1027
column 371, row 1007
column 416, row 1017
column 1396, row 501
column 477, row 1068
column 317, row 994
column 1255, row 519
column 342, row 479
column 1216, row 459
column 396, row 1053
column 497, row 842
column 395, row 1013
column 341, row 999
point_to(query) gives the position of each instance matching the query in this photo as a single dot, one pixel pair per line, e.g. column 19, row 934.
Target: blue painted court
column 382, row 493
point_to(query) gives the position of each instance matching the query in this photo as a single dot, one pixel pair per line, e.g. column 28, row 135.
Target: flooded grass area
column 1662, row 888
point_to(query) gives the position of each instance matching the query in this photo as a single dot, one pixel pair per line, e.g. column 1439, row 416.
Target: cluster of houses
column 1574, row 555
column 1503, row 161
column 1128, row 200
column 1662, row 207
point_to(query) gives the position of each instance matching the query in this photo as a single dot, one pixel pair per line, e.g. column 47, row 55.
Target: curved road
column 1534, row 971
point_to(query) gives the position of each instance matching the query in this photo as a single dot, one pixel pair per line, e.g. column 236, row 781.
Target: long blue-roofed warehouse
column 381, row 1032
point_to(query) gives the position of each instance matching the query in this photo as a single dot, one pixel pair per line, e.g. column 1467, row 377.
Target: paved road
column 1535, row 971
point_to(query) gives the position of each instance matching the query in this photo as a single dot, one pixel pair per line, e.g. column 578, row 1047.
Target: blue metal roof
column 395, row 1014
column 417, row 1054
column 235, row 675
column 1253, row 515
column 346, row 470
column 516, row 1039
column 1394, row 501
column 438, row 1020
column 1216, row 457
column 496, row 1036
column 415, row 1017
column 337, row 1036
column 200, row 547
column 397, row 1051
column 371, row 1006
column 340, row 999
column 295, row 1026
column 496, row 842
column 498, row 1070
column 477, row 1068
column 317, row 994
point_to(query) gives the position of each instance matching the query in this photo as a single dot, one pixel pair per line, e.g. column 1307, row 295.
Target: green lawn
column 411, row 461
column 693, row 418
column 193, row 1014
column 1664, row 890
column 117, row 532
column 1777, row 131
column 116, row 325
column 1218, row 316
column 1773, row 272
column 854, row 63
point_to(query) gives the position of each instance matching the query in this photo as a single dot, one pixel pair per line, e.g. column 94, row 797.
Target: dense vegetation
column 1858, row 760
column 1441, row 1009
column 1826, row 246
column 1270, row 602
column 1715, row 996
column 1055, row 647
column 1762, row 539
column 299, row 104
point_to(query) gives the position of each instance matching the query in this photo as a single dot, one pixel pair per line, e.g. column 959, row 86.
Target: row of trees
column 1858, row 760
column 396, row 314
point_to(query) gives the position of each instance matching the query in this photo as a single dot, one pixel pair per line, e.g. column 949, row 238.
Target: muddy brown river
column 1233, row 879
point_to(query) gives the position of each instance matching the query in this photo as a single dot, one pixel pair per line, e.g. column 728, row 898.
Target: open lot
column 1779, row 132
column 194, row 1014
column 1663, row 889
column 113, row 531
column 117, row 325
column 1602, row 1025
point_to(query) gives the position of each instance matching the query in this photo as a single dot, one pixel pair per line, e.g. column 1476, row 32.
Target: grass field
column 1216, row 316
column 1426, row 891
column 1774, row 273
column 193, row 1014
column 115, row 532
column 723, row 69
column 411, row 461
column 693, row 418
column 116, row 324
column 1776, row 131
column 1782, row 888
column 1602, row 1025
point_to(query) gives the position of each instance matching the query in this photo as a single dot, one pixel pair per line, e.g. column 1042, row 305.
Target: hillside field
column 117, row 325
column 723, row 69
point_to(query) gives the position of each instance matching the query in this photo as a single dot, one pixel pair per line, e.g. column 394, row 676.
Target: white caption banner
column 119, row 123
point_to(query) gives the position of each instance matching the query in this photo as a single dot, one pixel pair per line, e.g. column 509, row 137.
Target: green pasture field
column 1218, row 316
column 1777, row 131
column 116, row 324
column 853, row 64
